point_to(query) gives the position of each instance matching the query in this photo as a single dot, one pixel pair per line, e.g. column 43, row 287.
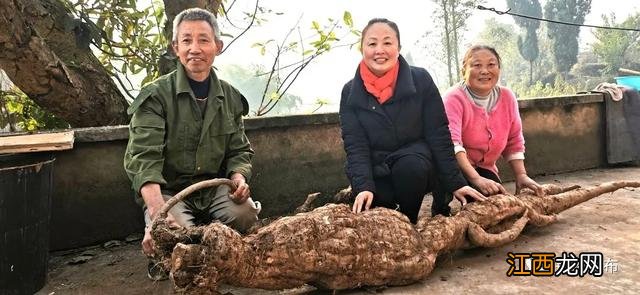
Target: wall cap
column 121, row 132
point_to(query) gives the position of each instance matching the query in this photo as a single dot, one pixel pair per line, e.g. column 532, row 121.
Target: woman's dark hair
column 474, row 48
column 374, row 21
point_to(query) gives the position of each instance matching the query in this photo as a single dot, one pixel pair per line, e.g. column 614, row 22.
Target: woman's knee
column 411, row 167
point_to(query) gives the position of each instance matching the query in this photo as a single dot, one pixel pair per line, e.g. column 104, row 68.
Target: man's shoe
column 155, row 272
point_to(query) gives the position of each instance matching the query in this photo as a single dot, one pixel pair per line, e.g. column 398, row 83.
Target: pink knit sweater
column 484, row 136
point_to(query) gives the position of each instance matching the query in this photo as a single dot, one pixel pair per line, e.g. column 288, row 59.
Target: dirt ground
column 609, row 224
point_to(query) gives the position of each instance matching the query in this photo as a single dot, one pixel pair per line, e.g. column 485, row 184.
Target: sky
column 327, row 74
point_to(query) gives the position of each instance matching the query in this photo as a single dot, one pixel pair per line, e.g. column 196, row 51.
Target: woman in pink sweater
column 485, row 124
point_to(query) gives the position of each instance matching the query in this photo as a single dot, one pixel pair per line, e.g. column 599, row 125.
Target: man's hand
column 147, row 241
column 522, row 181
column 462, row 193
column 170, row 220
column 242, row 192
column 487, row 186
column 154, row 201
column 363, row 198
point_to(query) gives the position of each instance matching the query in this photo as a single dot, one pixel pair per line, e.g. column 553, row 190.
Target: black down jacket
column 412, row 121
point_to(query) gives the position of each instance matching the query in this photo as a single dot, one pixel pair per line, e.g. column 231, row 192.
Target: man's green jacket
column 173, row 144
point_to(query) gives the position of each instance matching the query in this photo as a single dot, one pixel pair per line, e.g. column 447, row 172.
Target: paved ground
column 609, row 224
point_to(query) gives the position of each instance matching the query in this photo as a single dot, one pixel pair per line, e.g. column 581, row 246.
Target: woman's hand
column 522, row 181
column 462, row 193
column 363, row 198
column 487, row 186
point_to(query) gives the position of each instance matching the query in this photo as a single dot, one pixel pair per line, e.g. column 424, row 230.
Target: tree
column 52, row 61
column 503, row 38
column 135, row 54
column 46, row 50
column 432, row 54
column 565, row 37
column 454, row 15
column 126, row 38
column 19, row 113
column 528, row 46
column 43, row 53
column 251, row 84
column 283, row 72
column 514, row 69
column 617, row 48
column 135, row 40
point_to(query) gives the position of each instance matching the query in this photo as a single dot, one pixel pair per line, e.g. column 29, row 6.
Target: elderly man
column 187, row 127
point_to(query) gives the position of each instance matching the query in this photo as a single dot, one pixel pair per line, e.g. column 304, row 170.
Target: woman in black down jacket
column 395, row 131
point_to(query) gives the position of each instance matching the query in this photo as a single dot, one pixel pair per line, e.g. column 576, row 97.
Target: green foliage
column 20, row 113
column 130, row 41
column 527, row 45
column 514, row 69
column 453, row 15
column 558, row 88
column 544, row 65
column 565, row 37
column 617, row 48
column 503, row 38
column 290, row 58
column 346, row 18
column 319, row 103
column 251, row 85
column 526, row 7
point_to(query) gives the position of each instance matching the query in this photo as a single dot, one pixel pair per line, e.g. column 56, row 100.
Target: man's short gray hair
column 195, row 14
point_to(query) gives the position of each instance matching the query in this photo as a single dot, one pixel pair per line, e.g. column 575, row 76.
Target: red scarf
column 380, row 87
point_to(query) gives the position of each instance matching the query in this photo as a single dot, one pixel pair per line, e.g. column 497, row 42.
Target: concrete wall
column 295, row 155
column 561, row 134
column 92, row 200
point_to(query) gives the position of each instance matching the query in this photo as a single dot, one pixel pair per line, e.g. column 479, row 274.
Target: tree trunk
column 46, row 53
column 447, row 39
column 530, row 72
column 456, row 28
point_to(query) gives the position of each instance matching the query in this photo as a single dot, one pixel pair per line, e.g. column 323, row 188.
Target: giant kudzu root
column 330, row 247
